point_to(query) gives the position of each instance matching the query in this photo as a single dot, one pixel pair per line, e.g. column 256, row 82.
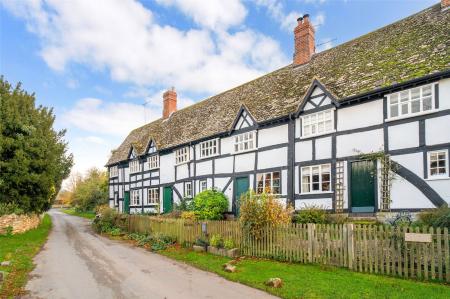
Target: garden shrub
column 106, row 220
column 10, row 208
column 201, row 242
column 336, row 218
column 259, row 211
column 439, row 217
column 311, row 214
column 210, row 205
column 216, row 241
column 188, row 215
column 228, row 244
column 185, row 204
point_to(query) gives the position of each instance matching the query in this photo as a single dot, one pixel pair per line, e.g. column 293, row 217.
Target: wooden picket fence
column 362, row 248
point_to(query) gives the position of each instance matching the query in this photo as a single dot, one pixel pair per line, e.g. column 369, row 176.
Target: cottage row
column 360, row 128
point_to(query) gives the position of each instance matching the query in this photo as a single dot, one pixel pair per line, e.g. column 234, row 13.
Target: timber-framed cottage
column 329, row 130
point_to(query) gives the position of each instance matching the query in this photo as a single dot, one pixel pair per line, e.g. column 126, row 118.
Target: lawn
column 88, row 215
column 311, row 281
column 20, row 250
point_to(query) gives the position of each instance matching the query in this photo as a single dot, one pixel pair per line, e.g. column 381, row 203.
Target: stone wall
column 19, row 223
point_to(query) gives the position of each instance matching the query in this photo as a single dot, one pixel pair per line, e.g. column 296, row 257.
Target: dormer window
column 113, row 171
column 411, row 102
column 182, row 155
column 245, row 142
column 134, row 166
column 153, row 162
column 209, row 148
column 317, row 123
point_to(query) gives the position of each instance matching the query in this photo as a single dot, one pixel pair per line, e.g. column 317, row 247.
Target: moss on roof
column 411, row 48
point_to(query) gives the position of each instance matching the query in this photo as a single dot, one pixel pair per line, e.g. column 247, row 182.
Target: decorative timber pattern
column 362, row 248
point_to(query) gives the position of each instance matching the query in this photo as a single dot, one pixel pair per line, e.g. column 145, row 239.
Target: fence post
column 350, row 245
column 311, row 228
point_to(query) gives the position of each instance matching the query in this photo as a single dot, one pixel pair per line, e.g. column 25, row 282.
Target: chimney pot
column 169, row 102
column 445, row 4
column 304, row 39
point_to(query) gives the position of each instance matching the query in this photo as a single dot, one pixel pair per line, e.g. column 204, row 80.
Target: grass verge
column 311, row 281
column 19, row 250
column 88, row 215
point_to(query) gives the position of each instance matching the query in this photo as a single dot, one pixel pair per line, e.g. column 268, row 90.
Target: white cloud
column 318, row 19
column 276, row 10
column 121, row 36
column 212, row 14
column 116, row 119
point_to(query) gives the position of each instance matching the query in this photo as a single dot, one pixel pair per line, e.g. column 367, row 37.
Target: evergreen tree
column 33, row 156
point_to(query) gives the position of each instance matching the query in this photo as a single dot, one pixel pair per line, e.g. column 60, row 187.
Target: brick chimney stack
column 445, row 4
column 170, row 102
column 305, row 44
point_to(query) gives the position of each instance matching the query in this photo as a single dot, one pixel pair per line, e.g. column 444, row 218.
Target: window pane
column 394, row 110
column 426, row 91
column 427, row 104
column 415, row 106
column 415, row 93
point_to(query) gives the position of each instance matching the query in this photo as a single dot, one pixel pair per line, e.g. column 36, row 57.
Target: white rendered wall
column 303, row 151
column 404, row 195
column 325, row 203
column 404, row 135
column 204, row 168
column 358, row 116
column 284, row 179
column 182, row 171
column 413, row 162
column 437, row 130
column 323, row 148
column 444, row 94
column 167, row 170
column 223, row 165
column 244, row 162
column 220, row 184
column 272, row 158
column 442, row 187
column 273, row 135
column 364, row 142
column 226, row 145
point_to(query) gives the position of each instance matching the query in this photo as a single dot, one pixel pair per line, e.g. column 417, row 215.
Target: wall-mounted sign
column 415, row 237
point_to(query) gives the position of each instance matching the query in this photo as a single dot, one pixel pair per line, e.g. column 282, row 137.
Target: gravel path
column 77, row 263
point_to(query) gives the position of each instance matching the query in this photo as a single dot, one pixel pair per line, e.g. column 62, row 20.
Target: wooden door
column 363, row 174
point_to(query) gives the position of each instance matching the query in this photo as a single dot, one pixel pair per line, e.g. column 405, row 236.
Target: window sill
column 411, row 115
column 438, row 178
column 245, row 152
column 212, row 156
column 317, row 135
column 182, row 163
column 318, row 192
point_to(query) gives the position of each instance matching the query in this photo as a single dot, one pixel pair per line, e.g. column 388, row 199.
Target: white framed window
column 153, row 162
column 188, row 189
column 438, row 164
column 135, row 199
column 316, row 178
column 153, row 196
column 318, row 123
column 113, row 171
column 203, row 185
column 410, row 102
column 182, row 155
column 268, row 182
column 135, row 166
column 245, row 142
column 209, row 148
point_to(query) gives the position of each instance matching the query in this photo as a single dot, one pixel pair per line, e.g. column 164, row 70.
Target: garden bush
column 216, row 241
column 310, row 214
column 10, row 208
column 106, row 220
column 210, row 205
column 260, row 210
column 201, row 242
column 229, row 244
column 439, row 217
column 188, row 215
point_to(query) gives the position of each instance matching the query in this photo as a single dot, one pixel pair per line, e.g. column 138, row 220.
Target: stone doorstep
column 232, row 253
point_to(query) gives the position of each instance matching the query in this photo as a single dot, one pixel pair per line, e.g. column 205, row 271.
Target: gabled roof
column 408, row 49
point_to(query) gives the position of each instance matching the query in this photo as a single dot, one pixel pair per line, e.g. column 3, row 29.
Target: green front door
column 241, row 186
column 363, row 174
column 167, row 200
column 126, row 202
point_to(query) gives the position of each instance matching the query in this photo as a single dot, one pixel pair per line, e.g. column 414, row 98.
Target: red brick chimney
column 305, row 44
column 170, row 102
column 445, row 4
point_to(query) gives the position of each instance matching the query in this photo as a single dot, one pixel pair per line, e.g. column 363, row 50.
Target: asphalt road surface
column 77, row 263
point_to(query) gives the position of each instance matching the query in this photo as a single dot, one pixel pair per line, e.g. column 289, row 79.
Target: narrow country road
column 77, row 263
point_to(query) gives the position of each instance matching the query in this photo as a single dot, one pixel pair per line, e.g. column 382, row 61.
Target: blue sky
column 98, row 62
